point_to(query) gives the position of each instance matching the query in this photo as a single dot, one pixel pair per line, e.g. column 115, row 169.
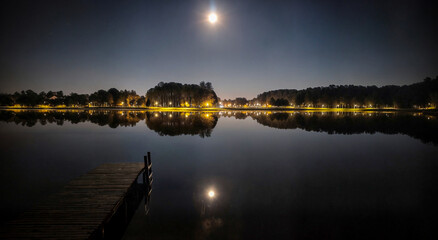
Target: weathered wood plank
column 81, row 209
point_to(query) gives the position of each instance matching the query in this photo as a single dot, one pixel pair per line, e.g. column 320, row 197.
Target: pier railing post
column 149, row 160
column 147, row 175
column 146, row 170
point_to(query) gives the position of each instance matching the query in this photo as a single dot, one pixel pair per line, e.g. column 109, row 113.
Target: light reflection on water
column 274, row 174
column 417, row 125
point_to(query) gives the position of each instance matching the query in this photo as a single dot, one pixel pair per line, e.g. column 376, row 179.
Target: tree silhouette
column 181, row 95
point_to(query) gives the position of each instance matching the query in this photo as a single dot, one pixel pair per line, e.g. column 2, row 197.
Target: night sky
column 84, row 46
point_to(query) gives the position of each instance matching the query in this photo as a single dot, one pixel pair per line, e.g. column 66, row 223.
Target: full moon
column 212, row 18
column 211, row 194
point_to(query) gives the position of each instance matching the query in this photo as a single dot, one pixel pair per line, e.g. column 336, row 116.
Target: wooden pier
column 97, row 205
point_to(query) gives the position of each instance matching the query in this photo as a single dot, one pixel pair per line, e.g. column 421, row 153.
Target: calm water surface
column 276, row 175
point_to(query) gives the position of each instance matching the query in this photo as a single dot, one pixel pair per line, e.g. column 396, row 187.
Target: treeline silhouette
column 101, row 98
column 422, row 94
column 418, row 95
column 114, row 97
column 163, row 95
column 182, row 95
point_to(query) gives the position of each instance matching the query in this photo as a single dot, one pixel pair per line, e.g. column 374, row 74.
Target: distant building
column 53, row 97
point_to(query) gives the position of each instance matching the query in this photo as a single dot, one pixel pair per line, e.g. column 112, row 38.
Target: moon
column 211, row 193
column 212, row 18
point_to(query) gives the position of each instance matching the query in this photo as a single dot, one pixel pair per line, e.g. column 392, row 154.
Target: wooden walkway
column 97, row 205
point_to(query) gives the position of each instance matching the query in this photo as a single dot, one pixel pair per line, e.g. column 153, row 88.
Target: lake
column 275, row 175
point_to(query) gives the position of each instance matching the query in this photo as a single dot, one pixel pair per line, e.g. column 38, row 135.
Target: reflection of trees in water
column 164, row 123
column 417, row 125
column 182, row 123
column 111, row 118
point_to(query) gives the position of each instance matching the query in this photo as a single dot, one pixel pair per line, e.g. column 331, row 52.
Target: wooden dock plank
column 81, row 208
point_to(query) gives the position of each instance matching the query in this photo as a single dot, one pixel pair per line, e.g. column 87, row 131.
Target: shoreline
column 226, row 109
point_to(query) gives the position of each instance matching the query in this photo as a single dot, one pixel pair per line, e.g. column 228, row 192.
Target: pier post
column 147, row 181
column 149, row 160
column 146, row 170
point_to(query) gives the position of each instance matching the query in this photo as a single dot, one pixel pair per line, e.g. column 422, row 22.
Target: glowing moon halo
column 212, row 18
column 211, row 194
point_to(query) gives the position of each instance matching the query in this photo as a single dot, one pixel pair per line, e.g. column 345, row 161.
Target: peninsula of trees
column 182, row 95
column 418, row 95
